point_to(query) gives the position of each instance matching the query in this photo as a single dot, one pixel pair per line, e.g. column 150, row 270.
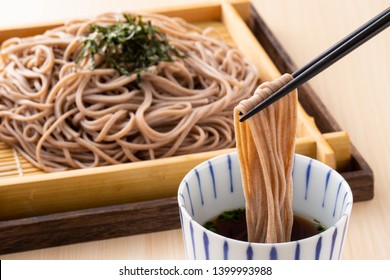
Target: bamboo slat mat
column 13, row 164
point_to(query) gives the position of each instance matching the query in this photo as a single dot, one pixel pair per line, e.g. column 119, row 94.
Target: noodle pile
column 265, row 146
column 61, row 115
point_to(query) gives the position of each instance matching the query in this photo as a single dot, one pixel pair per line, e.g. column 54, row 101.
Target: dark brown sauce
column 232, row 224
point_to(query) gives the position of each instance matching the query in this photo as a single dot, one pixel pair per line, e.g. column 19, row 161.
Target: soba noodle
column 61, row 115
column 265, row 146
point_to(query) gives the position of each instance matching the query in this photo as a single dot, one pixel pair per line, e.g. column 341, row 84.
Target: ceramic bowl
column 215, row 186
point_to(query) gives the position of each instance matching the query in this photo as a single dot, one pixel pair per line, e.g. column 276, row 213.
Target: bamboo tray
column 40, row 210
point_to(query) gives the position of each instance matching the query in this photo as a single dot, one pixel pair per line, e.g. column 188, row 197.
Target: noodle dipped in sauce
column 265, row 147
column 60, row 114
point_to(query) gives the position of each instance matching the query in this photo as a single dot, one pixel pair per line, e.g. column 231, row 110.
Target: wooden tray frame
column 162, row 214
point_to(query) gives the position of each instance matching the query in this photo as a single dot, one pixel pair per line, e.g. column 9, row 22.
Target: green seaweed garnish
column 318, row 226
column 129, row 46
column 233, row 215
column 210, row 226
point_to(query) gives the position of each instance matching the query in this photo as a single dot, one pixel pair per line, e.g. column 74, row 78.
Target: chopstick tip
column 244, row 117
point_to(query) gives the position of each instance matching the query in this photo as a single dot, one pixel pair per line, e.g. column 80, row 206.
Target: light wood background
column 356, row 91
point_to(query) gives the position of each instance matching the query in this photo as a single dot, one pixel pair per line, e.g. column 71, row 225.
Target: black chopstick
column 327, row 58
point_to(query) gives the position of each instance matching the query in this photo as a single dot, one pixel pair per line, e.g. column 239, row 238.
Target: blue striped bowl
column 215, row 186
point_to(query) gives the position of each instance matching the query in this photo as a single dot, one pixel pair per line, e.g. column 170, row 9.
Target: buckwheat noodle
column 265, row 146
column 60, row 115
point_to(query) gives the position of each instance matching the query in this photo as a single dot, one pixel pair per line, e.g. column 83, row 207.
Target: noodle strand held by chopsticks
column 61, row 115
column 265, row 146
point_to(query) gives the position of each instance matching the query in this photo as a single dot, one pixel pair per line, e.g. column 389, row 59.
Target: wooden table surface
column 356, row 91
